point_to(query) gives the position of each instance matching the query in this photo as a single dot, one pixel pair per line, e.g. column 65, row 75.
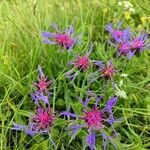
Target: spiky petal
column 64, row 39
column 91, row 140
column 43, row 119
column 42, row 83
column 94, row 120
column 108, row 71
column 40, row 123
column 37, row 96
column 110, row 104
column 82, row 62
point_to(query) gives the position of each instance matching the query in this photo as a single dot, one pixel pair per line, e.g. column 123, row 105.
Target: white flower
column 124, row 75
column 34, row 2
column 127, row 4
column 132, row 10
column 119, row 3
column 62, row 8
column 120, row 93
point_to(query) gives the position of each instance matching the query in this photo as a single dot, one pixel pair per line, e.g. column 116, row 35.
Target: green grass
column 21, row 23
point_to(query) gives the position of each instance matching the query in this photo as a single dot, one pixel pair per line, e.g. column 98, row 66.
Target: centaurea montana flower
column 95, row 120
column 80, row 64
column 64, row 39
column 133, row 46
column 121, row 38
column 42, row 92
column 107, row 70
column 42, row 83
column 118, row 34
column 139, row 44
column 123, row 48
column 127, row 44
column 40, row 123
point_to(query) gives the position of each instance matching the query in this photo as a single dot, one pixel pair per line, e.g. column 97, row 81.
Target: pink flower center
column 82, row 62
column 137, row 44
column 117, row 33
column 108, row 71
column 42, row 85
column 64, row 40
column 124, row 48
column 43, row 119
column 94, row 119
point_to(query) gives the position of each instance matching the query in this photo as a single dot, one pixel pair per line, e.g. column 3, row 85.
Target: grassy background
column 21, row 22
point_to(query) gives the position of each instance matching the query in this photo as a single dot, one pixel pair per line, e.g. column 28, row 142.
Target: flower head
column 125, row 41
column 42, row 92
column 95, row 119
column 108, row 71
column 39, row 123
column 64, row 39
column 80, row 63
column 43, row 119
column 139, row 43
column 42, row 83
column 118, row 34
column 123, row 48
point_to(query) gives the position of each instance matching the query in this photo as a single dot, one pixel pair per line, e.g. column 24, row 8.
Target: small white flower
column 132, row 10
column 126, row 5
column 121, row 93
column 62, row 8
column 131, row 5
column 124, row 75
column 119, row 3
column 125, row 2
column 34, row 2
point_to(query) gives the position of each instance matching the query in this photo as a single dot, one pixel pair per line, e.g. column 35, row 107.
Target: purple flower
column 107, row 70
column 138, row 44
column 125, row 41
column 40, row 123
column 123, row 48
column 43, row 119
column 64, row 39
column 80, row 63
column 37, row 96
column 118, row 34
column 95, row 120
column 133, row 46
column 42, row 83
